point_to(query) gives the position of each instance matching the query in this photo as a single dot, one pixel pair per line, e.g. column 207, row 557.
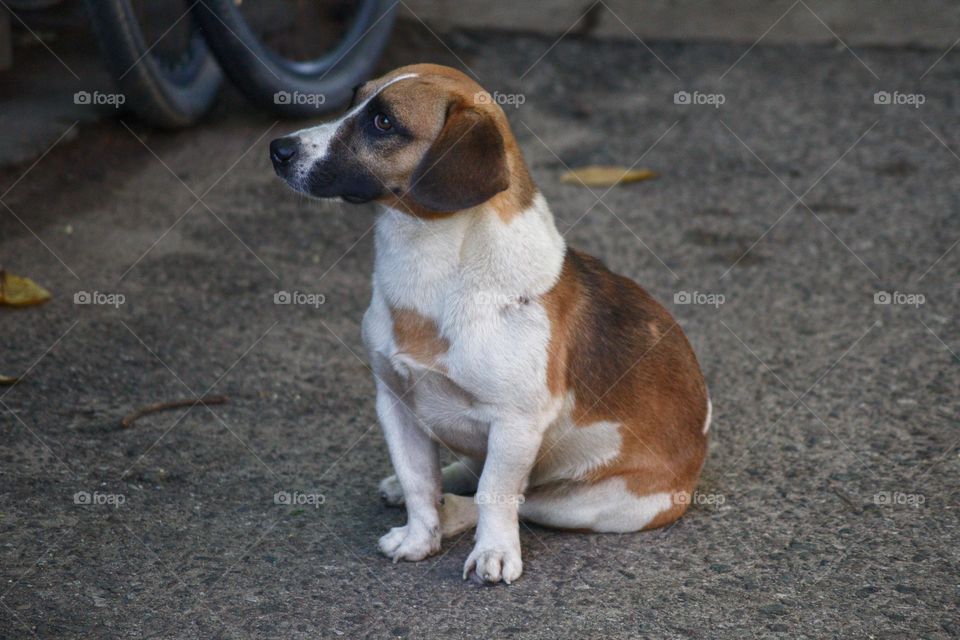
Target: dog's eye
column 382, row 122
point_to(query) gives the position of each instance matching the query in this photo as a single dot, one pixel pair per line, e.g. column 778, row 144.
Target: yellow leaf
column 16, row 291
column 601, row 176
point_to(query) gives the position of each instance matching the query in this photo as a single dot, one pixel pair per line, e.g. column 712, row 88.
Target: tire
column 264, row 76
column 164, row 96
column 32, row 5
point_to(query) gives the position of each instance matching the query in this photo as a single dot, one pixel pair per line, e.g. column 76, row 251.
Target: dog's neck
column 477, row 252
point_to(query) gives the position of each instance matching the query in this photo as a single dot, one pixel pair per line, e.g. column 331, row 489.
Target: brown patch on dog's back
column 626, row 361
column 417, row 336
column 562, row 304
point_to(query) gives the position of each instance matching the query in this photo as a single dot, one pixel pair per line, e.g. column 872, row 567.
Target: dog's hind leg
column 457, row 514
column 603, row 506
column 460, row 478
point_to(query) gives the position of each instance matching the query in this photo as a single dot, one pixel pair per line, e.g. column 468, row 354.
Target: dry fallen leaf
column 601, row 176
column 16, row 291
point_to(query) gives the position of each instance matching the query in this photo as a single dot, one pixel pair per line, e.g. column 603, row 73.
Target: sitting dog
column 570, row 396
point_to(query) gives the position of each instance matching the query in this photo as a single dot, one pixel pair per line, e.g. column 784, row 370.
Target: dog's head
column 425, row 139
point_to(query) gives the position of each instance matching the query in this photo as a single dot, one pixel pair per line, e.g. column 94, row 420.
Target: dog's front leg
column 415, row 460
column 512, row 448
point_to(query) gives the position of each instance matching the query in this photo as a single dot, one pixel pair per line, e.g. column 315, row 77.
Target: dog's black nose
column 283, row 150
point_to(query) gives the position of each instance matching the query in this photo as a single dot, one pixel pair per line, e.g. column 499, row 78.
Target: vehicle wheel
column 158, row 58
column 295, row 58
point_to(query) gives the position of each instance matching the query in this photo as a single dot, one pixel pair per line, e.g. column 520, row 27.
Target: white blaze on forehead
column 315, row 141
column 318, row 138
column 402, row 76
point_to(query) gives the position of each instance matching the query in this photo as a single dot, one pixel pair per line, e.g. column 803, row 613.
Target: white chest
column 476, row 282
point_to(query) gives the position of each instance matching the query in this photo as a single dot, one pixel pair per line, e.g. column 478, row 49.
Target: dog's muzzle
column 323, row 167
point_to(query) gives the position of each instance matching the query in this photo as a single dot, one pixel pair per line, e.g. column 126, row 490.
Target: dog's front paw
column 410, row 542
column 493, row 564
column 391, row 492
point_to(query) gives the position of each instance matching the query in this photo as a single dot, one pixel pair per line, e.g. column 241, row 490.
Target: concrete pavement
column 828, row 506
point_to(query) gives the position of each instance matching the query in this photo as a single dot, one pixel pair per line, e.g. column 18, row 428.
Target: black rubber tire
column 260, row 73
column 32, row 5
column 163, row 97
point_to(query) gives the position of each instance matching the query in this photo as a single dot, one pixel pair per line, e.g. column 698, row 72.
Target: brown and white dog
column 571, row 397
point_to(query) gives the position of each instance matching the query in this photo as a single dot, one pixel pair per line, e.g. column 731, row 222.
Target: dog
column 571, row 398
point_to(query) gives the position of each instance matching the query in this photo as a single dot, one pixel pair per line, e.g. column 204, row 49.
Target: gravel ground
column 828, row 505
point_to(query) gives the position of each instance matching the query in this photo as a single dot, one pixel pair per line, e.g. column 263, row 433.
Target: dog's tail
column 457, row 514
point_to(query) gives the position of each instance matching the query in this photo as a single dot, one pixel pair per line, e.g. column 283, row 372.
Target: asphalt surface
column 828, row 505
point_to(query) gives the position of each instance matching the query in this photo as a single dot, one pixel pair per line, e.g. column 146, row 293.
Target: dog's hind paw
column 390, row 491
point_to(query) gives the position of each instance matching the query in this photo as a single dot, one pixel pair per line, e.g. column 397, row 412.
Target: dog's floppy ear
column 465, row 166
